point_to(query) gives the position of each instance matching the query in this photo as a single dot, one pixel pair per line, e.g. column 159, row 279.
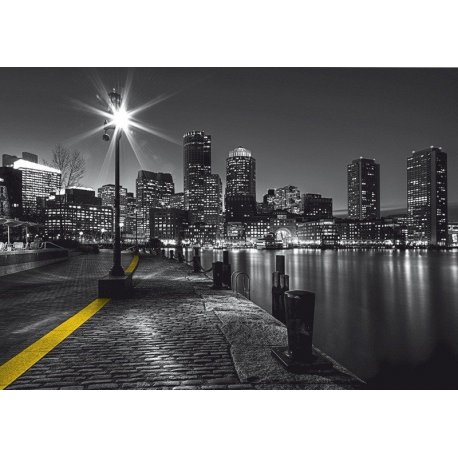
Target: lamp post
column 115, row 98
column 117, row 284
column 136, row 234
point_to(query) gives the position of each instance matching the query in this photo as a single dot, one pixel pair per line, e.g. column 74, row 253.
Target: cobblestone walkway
column 162, row 338
column 33, row 302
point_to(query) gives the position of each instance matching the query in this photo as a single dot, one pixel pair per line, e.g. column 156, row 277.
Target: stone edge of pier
column 251, row 333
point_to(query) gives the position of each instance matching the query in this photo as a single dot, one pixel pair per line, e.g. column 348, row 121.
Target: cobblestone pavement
column 35, row 301
column 162, row 338
column 174, row 333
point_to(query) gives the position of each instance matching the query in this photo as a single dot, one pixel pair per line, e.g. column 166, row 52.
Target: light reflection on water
column 371, row 306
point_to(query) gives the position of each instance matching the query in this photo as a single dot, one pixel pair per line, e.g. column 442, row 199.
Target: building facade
column 240, row 197
column 288, row 198
column 169, row 225
column 363, row 184
column 427, row 197
column 453, row 235
column 10, row 193
column 77, row 214
column 153, row 189
column 316, row 207
column 38, row 181
column 196, row 167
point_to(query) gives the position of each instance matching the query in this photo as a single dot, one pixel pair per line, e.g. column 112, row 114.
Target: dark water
column 379, row 313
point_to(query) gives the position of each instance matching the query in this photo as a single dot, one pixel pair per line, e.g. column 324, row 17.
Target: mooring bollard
column 280, row 263
column 226, row 269
column 172, row 254
column 218, row 275
column 299, row 314
column 277, row 305
column 180, row 256
column 284, row 286
column 196, row 260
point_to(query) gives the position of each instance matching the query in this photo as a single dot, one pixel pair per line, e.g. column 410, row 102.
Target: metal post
column 300, row 311
column 136, row 234
column 117, row 270
column 226, row 269
column 217, row 275
column 280, row 263
column 196, row 260
column 299, row 314
column 277, row 304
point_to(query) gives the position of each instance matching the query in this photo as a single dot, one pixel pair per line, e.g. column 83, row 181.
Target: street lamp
column 119, row 122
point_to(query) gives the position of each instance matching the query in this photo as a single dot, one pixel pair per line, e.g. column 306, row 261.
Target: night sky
column 302, row 125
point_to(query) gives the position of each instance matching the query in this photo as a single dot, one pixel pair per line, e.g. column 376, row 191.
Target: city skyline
column 323, row 93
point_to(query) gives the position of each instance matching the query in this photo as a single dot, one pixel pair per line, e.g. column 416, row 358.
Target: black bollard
column 217, row 275
column 280, row 263
column 278, row 311
column 299, row 313
column 196, row 260
column 180, row 256
column 163, row 252
column 226, row 269
column 172, row 254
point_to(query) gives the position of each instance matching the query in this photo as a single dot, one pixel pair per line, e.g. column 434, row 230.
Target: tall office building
column 213, row 200
column 196, row 167
column 427, row 196
column 363, row 184
column 288, row 198
column 240, row 196
column 37, row 181
column 107, row 196
column 316, row 207
column 153, row 190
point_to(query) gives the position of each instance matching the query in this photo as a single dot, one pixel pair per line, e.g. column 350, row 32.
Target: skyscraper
column 196, row 167
column 363, row 180
column 107, row 195
column 240, row 185
column 37, row 181
column 213, row 201
column 153, row 191
column 427, row 196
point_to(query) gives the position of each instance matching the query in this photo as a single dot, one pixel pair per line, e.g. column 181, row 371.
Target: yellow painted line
column 133, row 264
column 23, row 361
column 27, row 358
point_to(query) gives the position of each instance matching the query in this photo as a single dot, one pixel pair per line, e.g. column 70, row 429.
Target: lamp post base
column 117, row 271
column 115, row 286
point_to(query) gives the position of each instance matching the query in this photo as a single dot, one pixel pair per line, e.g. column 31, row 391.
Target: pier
column 174, row 332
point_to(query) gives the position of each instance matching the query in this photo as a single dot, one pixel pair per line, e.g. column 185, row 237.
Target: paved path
column 169, row 335
column 35, row 301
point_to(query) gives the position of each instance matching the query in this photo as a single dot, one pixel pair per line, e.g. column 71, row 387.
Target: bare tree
column 71, row 163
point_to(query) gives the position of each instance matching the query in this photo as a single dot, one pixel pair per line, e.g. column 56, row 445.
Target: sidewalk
column 175, row 333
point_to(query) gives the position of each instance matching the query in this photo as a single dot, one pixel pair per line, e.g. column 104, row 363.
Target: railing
column 245, row 283
column 45, row 245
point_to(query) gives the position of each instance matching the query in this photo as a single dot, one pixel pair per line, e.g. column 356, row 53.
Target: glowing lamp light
column 121, row 118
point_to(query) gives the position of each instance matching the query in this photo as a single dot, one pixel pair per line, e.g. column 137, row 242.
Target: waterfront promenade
column 173, row 333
